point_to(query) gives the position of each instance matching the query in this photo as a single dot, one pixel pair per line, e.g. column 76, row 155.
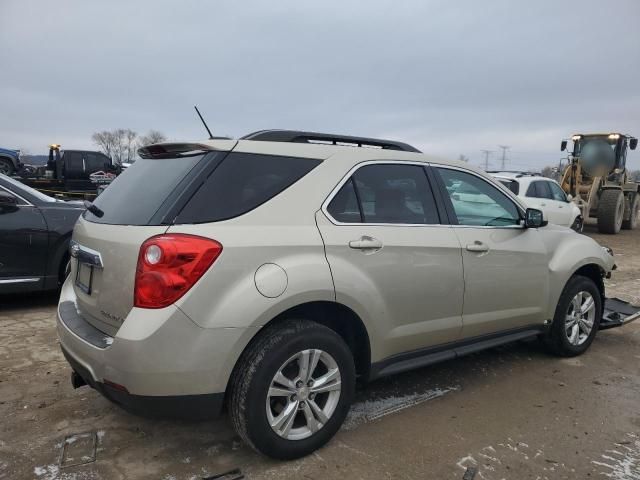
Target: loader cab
column 601, row 153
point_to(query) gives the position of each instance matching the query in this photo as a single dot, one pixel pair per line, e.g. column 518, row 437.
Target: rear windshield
column 138, row 193
column 242, row 182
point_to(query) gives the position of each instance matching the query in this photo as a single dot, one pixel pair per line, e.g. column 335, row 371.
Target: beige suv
column 269, row 274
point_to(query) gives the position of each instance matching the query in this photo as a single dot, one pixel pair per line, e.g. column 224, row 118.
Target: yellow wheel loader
column 597, row 180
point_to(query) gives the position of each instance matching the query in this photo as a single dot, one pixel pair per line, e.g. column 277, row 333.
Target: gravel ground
column 509, row 413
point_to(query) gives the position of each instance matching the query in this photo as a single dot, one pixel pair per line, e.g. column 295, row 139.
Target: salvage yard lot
column 513, row 412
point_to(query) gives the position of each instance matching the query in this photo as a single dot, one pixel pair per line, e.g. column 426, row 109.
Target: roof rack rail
column 519, row 172
column 295, row 136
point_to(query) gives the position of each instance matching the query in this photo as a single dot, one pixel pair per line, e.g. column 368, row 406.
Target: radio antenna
column 204, row 123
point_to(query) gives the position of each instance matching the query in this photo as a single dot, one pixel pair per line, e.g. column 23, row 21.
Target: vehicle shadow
column 23, row 301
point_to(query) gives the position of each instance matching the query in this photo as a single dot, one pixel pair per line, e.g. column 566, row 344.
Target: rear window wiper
column 93, row 209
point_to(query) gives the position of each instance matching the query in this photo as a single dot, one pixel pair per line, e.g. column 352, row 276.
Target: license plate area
column 84, row 277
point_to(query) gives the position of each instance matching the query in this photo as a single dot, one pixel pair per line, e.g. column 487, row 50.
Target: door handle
column 366, row 243
column 478, row 247
column 560, row 206
column 543, row 204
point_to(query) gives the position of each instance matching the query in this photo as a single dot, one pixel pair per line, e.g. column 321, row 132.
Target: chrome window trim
column 356, row 167
column 346, row 178
column 27, row 203
column 5, row 281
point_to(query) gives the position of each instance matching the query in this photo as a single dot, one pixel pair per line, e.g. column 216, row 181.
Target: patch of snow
column 370, row 410
column 623, row 463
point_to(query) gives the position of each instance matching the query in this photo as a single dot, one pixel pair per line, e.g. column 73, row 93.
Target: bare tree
column 131, row 145
column 549, row 171
column 105, row 142
column 152, row 136
column 121, row 144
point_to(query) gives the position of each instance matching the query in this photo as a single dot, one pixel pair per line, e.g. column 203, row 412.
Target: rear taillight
column 169, row 265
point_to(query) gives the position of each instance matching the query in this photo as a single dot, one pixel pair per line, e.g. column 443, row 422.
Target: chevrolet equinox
column 267, row 275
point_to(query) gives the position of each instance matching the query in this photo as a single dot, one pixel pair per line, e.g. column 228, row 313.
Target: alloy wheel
column 303, row 394
column 580, row 318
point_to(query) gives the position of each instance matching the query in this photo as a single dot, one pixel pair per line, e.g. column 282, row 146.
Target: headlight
column 609, row 250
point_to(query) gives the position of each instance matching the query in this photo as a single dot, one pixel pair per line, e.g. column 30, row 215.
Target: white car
column 544, row 194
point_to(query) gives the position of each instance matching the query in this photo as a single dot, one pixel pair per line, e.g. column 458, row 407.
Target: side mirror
column 563, row 145
column 8, row 201
column 569, row 198
column 533, row 218
column 633, row 143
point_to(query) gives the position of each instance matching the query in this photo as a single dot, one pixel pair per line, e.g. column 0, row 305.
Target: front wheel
column 577, row 318
column 292, row 389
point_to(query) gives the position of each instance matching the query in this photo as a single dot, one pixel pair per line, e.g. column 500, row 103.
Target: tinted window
column 539, row 189
column 73, row 161
column 476, row 202
column 25, row 191
column 94, row 162
column 557, row 192
column 19, row 201
column 344, row 206
column 242, row 182
column 387, row 194
column 138, row 193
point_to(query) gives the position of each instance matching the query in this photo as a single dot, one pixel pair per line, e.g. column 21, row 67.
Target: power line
column 486, row 158
column 504, row 154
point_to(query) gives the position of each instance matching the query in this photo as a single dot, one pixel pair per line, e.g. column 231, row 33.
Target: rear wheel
column 634, row 213
column 610, row 211
column 6, row 166
column 577, row 318
column 292, row 389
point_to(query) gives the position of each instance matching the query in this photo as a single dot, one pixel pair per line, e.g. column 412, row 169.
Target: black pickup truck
column 72, row 173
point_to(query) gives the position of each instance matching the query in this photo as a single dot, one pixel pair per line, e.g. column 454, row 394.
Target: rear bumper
column 192, row 407
column 159, row 361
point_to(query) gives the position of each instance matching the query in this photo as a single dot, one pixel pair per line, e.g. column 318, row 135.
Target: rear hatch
column 140, row 203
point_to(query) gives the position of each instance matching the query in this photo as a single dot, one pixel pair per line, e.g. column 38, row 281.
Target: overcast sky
column 450, row 77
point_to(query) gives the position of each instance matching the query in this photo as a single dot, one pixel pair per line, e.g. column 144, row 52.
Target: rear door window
column 241, row 183
column 344, row 207
column 539, row 189
column 380, row 193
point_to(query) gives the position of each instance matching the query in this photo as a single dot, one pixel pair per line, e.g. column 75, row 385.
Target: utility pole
column 486, row 158
column 504, row 154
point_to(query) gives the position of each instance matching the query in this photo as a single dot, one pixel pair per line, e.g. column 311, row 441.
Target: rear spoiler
column 173, row 150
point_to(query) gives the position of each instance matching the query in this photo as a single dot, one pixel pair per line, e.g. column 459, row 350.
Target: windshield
column 21, row 187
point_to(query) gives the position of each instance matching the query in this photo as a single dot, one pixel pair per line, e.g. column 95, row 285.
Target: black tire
column 634, row 213
column 578, row 224
column 610, row 211
column 556, row 338
column 253, row 375
column 6, row 166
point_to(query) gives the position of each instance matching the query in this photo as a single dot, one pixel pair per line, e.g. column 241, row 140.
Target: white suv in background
column 543, row 194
